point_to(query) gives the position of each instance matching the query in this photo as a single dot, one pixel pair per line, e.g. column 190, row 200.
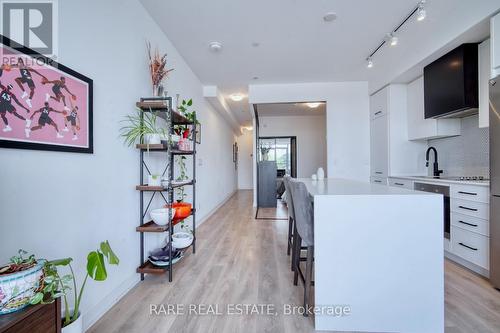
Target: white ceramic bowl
column 181, row 240
column 160, row 215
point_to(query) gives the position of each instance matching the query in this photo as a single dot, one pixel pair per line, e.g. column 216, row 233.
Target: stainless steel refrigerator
column 495, row 182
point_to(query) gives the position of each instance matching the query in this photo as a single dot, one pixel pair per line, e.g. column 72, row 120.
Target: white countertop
column 339, row 186
column 449, row 181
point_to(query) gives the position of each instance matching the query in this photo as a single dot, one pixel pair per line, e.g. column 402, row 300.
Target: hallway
column 242, row 260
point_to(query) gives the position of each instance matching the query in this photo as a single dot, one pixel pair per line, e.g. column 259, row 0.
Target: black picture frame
column 5, row 143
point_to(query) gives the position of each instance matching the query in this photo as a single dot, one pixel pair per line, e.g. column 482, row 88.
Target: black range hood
column 451, row 84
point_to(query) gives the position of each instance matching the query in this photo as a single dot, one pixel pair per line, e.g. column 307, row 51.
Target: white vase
column 154, row 180
column 320, row 173
column 74, row 327
column 153, row 139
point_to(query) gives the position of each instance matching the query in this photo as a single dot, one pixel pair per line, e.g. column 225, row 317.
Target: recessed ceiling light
column 330, row 16
column 236, row 97
column 313, row 105
column 215, row 46
column 369, row 63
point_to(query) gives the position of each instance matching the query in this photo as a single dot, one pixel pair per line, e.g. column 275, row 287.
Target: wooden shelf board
column 182, row 152
column 183, row 184
column 150, row 188
column 144, row 146
column 149, row 268
column 151, row 227
column 156, row 105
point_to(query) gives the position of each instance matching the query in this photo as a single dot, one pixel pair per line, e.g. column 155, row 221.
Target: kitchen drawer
column 470, row 246
column 471, row 208
column 470, row 223
column 378, row 180
column 470, row 192
column 404, row 183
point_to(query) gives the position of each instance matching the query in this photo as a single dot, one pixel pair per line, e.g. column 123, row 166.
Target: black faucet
column 436, row 171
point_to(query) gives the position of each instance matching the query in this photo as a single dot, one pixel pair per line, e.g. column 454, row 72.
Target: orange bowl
column 182, row 209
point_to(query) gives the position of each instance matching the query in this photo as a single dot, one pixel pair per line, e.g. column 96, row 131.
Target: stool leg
column 308, row 278
column 297, row 245
column 289, row 239
column 294, row 241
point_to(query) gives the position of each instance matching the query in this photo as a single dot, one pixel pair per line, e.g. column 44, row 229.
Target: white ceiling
column 289, row 109
column 296, row 45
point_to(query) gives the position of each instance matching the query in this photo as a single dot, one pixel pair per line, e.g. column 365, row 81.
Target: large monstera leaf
column 96, row 266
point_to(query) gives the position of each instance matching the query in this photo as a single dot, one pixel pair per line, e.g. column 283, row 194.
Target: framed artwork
column 44, row 105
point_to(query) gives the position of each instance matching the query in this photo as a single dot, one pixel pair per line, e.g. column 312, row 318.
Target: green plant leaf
column 60, row 262
column 190, row 102
column 108, row 252
column 96, row 267
column 37, row 298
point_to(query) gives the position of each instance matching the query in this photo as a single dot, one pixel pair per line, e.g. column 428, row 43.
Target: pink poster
column 43, row 105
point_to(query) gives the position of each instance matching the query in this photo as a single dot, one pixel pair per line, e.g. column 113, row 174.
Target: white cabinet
column 378, row 180
column 401, row 182
column 378, row 146
column 484, row 80
column 470, row 225
column 495, row 45
column 390, row 150
column 420, row 128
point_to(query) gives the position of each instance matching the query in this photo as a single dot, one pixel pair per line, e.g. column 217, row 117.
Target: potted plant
column 19, row 281
column 142, row 126
column 56, row 285
column 184, row 130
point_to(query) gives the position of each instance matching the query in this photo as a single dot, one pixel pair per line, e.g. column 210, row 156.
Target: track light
column 421, row 13
column 393, row 40
column 369, row 63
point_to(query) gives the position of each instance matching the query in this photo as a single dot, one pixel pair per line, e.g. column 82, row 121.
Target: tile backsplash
column 467, row 154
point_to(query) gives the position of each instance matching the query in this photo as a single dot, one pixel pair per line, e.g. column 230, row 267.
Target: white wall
column 347, row 120
column 311, row 139
column 62, row 204
column 245, row 160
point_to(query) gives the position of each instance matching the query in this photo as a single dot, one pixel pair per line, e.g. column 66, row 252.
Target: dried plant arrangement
column 157, row 66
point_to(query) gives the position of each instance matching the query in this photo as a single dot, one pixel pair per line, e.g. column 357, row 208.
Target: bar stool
column 289, row 204
column 303, row 233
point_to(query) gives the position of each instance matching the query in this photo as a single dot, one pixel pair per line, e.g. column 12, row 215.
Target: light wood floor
column 241, row 260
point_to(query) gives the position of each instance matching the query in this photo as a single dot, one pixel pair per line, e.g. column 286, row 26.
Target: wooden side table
column 40, row 318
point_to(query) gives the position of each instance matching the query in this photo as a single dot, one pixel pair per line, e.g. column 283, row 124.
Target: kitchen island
column 378, row 257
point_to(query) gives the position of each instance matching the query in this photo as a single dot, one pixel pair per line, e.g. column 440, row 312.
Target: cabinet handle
column 378, row 172
column 468, row 193
column 400, row 184
column 377, row 181
column 467, row 223
column 378, row 112
column 467, row 246
column 496, row 195
column 472, row 209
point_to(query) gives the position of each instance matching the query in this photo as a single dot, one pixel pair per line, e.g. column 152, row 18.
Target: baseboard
column 462, row 262
column 98, row 310
column 212, row 212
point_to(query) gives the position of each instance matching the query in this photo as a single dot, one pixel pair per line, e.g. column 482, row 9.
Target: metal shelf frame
column 172, row 118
